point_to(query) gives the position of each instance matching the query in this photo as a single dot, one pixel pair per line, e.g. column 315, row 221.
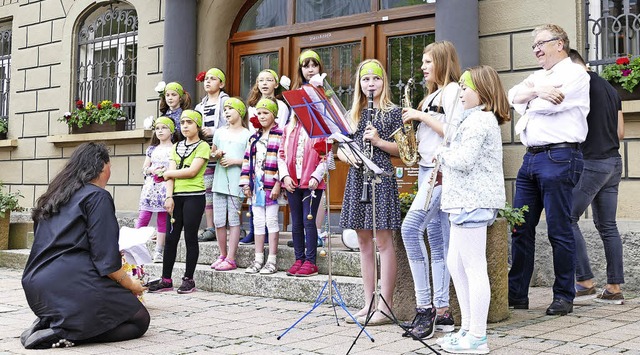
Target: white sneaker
column 157, row 257
column 468, row 344
column 449, row 337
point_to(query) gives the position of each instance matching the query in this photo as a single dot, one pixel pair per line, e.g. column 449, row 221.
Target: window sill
column 118, row 137
column 631, row 106
column 8, row 144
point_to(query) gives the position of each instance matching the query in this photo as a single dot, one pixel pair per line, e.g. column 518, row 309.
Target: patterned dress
column 153, row 193
column 357, row 215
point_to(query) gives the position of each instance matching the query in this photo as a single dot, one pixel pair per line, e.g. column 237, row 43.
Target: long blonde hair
column 445, row 63
column 491, row 92
column 360, row 100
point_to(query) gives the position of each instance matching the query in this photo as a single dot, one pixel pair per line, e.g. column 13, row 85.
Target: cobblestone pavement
column 216, row 323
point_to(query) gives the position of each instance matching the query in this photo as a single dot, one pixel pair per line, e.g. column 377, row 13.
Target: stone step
column 14, row 258
column 278, row 285
column 345, row 262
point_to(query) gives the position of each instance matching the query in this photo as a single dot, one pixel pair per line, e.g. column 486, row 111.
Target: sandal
column 207, row 235
column 269, row 268
column 218, row 261
column 227, row 265
column 255, row 268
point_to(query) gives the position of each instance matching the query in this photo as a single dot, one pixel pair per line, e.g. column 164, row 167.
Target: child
column 439, row 107
column 184, row 201
column 357, row 215
column 154, row 189
column 260, row 182
column 229, row 145
column 301, row 171
column 211, row 109
column 172, row 102
column 265, row 86
column 472, row 193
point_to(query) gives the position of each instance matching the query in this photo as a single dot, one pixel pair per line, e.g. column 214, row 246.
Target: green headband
column 193, row 115
column 309, row 54
column 272, row 72
column 165, row 121
column 175, row 87
column 269, row 105
column 217, row 73
column 371, row 68
column 237, row 105
column 465, row 79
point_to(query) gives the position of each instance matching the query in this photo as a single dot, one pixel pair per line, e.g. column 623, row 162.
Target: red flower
column 80, row 104
column 255, row 122
column 321, row 147
column 116, row 106
column 99, row 107
column 200, row 76
column 622, row 61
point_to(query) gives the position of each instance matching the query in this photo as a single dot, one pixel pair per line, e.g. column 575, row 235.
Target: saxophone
column 405, row 136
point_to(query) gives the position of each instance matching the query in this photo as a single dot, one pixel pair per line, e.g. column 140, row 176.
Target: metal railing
column 612, row 30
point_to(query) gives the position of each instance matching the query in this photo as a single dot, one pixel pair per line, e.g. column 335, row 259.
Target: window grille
column 5, row 71
column 612, row 30
column 107, row 59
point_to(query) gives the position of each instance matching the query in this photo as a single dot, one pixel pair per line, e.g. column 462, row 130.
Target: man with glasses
column 554, row 103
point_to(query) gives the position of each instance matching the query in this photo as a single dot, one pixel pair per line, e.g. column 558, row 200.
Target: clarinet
column 367, row 149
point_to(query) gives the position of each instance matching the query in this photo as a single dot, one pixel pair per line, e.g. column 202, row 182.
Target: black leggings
column 187, row 213
column 132, row 329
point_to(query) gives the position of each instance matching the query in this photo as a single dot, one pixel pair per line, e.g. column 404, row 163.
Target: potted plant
column 4, row 127
column 8, row 203
column 104, row 117
column 624, row 75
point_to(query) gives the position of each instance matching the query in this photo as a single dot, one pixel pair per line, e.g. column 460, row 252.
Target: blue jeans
column 303, row 230
column 598, row 186
column 436, row 223
column 545, row 181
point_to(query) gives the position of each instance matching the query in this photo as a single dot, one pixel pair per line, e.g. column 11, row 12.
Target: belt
column 544, row 148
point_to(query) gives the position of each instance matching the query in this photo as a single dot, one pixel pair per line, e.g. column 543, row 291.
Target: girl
column 172, row 102
column 229, row 145
column 265, row 86
column 260, row 182
column 301, row 171
column 211, row 109
column 441, row 73
column 185, row 200
column 154, row 189
column 357, row 215
column 472, row 193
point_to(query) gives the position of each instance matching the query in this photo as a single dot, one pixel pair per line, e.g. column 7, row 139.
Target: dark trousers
column 303, row 230
column 545, row 181
column 598, row 186
column 187, row 213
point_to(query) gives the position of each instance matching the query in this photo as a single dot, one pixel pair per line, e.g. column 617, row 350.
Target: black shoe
column 45, row 339
column 560, row 307
column 518, row 304
column 39, row 324
column 290, row 243
column 425, row 323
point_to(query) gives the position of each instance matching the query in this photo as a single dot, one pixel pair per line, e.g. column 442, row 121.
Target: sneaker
column 444, row 322
column 163, row 285
column 207, row 235
column 307, row 269
column 450, row 337
column 468, row 344
column 585, row 291
column 294, row 268
column 611, row 298
column 218, row 261
column 157, row 257
column 247, row 240
column 227, row 265
column 424, row 325
column 269, row 268
column 290, row 243
column 255, row 268
column 188, row 286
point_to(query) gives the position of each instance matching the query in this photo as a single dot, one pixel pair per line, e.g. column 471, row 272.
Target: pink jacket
column 311, row 164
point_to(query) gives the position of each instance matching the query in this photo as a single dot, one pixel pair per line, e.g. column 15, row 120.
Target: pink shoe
column 218, row 261
column 294, row 268
column 307, row 269
column 227, row 265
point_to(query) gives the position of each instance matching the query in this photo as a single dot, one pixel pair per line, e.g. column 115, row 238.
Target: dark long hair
column 86, row 164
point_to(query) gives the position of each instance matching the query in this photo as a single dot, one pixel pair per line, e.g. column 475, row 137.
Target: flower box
column 625, row 95
column 106, row 116
column 119, row 125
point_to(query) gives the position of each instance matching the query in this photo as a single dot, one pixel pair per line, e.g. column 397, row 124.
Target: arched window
column 107, row 58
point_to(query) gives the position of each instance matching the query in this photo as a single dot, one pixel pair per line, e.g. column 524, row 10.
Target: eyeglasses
column 539, row 44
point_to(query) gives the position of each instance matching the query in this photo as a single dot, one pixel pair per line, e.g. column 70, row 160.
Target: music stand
column 322, row 117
